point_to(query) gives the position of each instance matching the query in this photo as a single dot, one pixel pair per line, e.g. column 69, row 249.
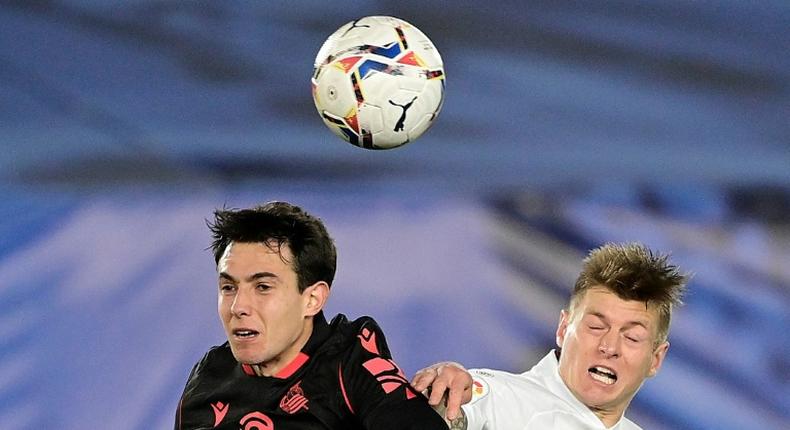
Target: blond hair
column 633, row 272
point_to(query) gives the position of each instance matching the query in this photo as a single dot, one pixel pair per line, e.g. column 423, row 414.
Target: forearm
column 459, row 423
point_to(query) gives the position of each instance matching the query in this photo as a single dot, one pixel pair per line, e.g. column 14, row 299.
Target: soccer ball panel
column 371, row 119
column 333, row 91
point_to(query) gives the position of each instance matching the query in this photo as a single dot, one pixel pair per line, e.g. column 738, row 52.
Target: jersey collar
column 548, row 370
column 317, row 338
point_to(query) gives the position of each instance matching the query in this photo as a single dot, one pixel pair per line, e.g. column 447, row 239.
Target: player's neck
column 277, row 364
column 609, row 417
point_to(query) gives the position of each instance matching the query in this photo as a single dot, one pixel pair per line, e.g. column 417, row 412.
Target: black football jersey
column 344, row 378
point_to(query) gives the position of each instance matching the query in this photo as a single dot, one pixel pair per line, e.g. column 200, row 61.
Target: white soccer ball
column 378, row 82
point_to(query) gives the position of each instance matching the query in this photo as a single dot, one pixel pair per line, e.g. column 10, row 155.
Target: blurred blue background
column 123, row 125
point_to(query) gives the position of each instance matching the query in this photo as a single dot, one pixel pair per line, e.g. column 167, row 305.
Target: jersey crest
column 294, row 400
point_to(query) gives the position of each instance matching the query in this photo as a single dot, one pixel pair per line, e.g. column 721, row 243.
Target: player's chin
column 247, row 359
column 601, row 401
column 246, row 355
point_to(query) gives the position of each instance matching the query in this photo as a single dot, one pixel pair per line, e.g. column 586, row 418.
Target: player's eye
column 632, row 338
column 227, row 288
column 263, row 287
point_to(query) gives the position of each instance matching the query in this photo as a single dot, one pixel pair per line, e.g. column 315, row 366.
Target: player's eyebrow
column 636, row 323
column 260, row 275
column 226, row 276
column 627, row 324
column 253, row 277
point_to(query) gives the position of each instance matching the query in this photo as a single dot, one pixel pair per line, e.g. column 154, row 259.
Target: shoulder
column 351, row 327
column 218, row 355
column 362, row 335
column 500, row 397
column 520, row 384
column 499, row 380
column 211, row 371
column 490, row 383
column 366, row 368
column 218, row 359
column 372, row 385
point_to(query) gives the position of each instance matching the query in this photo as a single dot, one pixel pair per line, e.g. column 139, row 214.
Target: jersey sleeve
column 375, row 389
column 480, row 411
column 192, row 373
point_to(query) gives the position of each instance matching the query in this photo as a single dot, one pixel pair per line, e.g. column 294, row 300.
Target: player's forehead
column 240, row 255
column 603, row 304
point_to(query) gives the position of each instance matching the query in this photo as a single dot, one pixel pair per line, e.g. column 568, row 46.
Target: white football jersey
column 534, row 400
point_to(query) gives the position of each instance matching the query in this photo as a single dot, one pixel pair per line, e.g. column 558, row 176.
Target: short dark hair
column 633, row 272
column 279, row 224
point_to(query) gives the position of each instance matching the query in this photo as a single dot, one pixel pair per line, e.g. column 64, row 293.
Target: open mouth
column 603, row 375
column 244, row 333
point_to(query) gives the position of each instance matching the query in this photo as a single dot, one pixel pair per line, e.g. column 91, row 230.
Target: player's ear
column 315, row 297
column 658, row 358
column 562, row 327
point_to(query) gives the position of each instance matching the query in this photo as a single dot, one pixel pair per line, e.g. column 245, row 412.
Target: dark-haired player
column 284, row 367
column 611, row 338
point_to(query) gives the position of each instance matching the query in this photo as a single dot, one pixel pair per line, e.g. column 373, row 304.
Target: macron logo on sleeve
column 368, row 340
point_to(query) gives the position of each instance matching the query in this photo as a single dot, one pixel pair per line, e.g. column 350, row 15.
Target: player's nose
column 609, row 344
column 241, row 303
